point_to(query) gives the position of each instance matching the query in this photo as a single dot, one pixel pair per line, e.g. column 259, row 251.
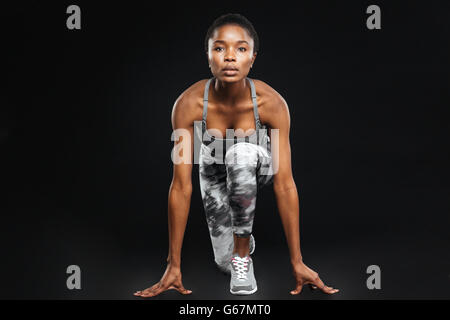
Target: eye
column 242, row 49
column 218, row 48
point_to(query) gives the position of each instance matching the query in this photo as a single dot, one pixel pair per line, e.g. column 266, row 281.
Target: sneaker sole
column 244, row 292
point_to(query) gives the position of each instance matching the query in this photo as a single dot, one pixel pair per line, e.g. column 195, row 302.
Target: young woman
column 233, row 168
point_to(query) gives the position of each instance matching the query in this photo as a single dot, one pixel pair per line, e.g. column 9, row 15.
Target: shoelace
column 241, row 265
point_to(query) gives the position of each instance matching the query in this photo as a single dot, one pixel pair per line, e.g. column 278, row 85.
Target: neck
column 231, row 92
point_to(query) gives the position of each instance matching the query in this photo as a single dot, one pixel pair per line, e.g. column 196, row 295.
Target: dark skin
column 230, row 106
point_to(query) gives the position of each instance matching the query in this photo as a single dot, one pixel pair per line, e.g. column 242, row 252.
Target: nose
column 229, row 56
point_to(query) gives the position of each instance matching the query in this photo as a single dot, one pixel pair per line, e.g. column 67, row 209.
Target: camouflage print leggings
column 229, row 191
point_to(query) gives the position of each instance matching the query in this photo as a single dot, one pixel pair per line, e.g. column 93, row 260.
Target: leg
column 217, row 210
column 241, row 163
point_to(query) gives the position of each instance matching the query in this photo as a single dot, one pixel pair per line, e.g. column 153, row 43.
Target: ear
column 254, row 57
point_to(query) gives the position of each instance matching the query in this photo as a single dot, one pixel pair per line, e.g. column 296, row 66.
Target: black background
column 85, row 140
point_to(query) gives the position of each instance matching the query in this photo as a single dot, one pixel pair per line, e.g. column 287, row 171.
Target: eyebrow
column 239, row 41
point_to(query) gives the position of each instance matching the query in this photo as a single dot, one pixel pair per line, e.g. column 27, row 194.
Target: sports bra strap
column 205, row 103
column 255, row 104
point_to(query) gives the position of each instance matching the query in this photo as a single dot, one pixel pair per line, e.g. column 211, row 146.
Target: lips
column 230, row 72
column 230, row 69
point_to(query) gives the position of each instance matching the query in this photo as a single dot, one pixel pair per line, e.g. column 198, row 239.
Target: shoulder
column 273, row 105
column 188, row 105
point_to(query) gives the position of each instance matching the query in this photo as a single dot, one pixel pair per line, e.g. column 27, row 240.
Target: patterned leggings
column 229, row 193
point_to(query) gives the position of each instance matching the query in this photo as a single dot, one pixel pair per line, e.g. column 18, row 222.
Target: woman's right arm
column 180, row 192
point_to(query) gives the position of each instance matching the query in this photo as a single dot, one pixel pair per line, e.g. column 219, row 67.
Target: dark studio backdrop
column 85, row 139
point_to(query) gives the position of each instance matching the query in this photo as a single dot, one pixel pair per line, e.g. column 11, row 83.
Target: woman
column 231, row 172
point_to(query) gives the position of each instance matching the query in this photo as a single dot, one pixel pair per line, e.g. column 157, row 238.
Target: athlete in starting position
column 233, row 168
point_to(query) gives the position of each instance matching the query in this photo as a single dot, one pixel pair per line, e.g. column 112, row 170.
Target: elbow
column 284, row 186
column 183, row 187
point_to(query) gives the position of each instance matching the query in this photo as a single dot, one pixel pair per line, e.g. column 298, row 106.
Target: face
column 230, row 53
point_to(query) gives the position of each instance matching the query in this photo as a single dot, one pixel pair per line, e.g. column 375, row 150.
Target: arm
column 180, row 190
column 283, row 184
column 287, row 198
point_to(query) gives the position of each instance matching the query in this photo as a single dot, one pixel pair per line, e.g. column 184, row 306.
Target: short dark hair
column 233, row 18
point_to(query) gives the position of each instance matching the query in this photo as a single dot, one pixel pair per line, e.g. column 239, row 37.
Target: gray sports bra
column 253, row 138
column 259, row 137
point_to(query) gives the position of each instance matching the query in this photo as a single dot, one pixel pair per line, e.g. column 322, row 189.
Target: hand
column 304, row 275
column 170, row 280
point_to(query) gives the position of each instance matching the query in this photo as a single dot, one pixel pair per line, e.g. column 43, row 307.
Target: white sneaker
column 242, row 276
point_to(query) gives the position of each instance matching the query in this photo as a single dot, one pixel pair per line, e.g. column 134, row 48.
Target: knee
column 242, row 154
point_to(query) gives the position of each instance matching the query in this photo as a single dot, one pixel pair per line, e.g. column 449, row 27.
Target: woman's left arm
column 287, row 196
column 283, row 182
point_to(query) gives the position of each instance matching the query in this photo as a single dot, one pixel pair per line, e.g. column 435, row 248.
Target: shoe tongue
column 246, row 258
